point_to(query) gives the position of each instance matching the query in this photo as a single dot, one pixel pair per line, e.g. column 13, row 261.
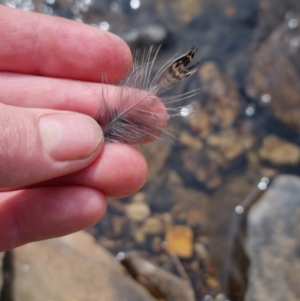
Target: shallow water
column 243, row 127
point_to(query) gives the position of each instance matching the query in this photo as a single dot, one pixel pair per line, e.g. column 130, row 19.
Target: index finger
column 37, row 44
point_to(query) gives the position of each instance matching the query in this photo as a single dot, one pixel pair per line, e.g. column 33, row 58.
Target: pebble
column 153, row 226
column 137, row 212
column 201, row 251
column 279, row 152
column 180, row 240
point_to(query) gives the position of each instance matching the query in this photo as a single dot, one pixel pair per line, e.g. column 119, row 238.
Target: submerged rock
column 1, row 271
column 274, row 77
column 74, row 268
column 220, row 94
column 272, row 243
column 279, row 152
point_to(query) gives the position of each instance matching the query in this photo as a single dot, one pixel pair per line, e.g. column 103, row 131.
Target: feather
column 138, row 115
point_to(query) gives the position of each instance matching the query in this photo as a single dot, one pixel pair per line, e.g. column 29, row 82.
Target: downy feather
column 137, row 116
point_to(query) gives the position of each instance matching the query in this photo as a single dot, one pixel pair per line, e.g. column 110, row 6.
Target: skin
column 56, row 182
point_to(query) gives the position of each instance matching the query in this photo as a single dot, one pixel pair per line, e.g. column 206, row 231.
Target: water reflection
column 266, row 98
column 186, row 111
column 135, row 4
column 293, row 23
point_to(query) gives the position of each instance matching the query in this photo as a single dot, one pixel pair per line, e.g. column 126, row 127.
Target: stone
column 179, row 240
column 157, row 153
column 231, row 143
column 139, row 235
column 184, row 10
column 199, row 121
column 137, row 212
column 272, row 242
column 275, row 74
column 194, row 218
column 156, row 244
column 201, row 251
column 118, row 224
column 139, row 197
column 271, row 13
column 153, row 226
column 163, row 285
column 201, row 167
column 220, row 94
column 279, row 152
column 190, row 141
column 73, row 268
column 1, row 270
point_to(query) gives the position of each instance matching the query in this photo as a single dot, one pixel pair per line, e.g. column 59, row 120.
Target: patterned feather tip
column 137, row 115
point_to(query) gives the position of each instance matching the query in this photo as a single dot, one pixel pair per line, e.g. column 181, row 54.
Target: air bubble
column 250, row 110
column 120, row 256
column 115, row 7
column 186, row 111
column 239, row 209
column 104, row 26
column 135, row 4
column 293, row 23
column 50, row 2
column 266, row 98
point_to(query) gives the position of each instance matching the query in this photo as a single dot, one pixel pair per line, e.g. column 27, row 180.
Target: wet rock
column 157, row 153
column 156, row 244
column 199, row 121
column 139, row 235
column 271, row 14
column 71, row 268
column 213, row 283
column 279, row 152
column 275, row 75
column 272, row 242
column 187, row 201
column 160, row 196
column 190, row 141
column 179, row 240
column 201, row 251
column 201, row 167
column 109, row 243
column 194, row 218
column 119, row 225
column 137, row 212
column 220, row 96
column 231, row 144
column 161, row 284
column 1, row 270
column 139, row 197
column 153, row 226
column 184, row 10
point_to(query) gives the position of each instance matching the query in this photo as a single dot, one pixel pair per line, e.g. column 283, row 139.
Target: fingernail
column 69, row 136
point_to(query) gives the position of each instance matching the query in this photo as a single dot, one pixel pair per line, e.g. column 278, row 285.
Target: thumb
column 38, row 144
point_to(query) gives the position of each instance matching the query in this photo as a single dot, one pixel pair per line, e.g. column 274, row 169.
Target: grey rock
column 273, row 243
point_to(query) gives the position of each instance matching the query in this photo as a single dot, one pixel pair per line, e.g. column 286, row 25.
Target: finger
column 87, row 98
column 50, row 46
column 42, row 213
column 119, row 171
column 38, row 144
column 63, row 94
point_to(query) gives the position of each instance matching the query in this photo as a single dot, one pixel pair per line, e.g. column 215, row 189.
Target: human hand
column 50, row 146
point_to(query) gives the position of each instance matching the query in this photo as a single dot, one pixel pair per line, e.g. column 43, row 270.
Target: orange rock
column 180, row 240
